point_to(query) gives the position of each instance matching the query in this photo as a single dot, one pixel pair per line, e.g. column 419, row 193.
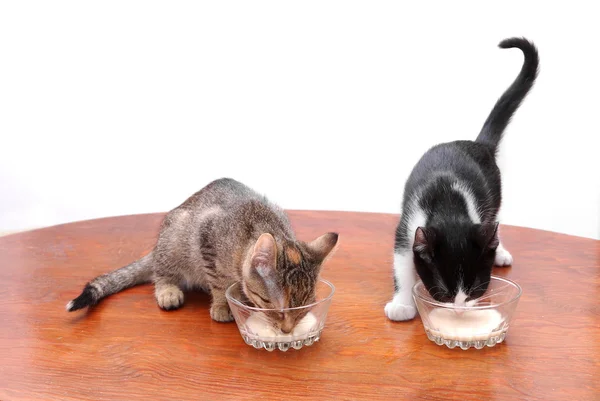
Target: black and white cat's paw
column 503, row 257
column 398, row 311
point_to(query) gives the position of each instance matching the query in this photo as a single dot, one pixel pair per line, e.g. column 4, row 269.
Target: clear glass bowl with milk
column 483, row 324
column 257, row 331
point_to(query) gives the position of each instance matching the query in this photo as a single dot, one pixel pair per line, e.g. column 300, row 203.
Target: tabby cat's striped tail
column 102, row 286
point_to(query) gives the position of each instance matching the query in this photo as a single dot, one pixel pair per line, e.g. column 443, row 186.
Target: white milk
column 472, row 325
column 260, row 326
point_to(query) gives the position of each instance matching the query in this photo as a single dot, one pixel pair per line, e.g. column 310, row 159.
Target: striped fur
column 223, row 234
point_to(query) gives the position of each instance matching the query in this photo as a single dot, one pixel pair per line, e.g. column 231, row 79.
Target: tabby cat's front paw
column 221, row 313
column 169, row 297
column 399, row 312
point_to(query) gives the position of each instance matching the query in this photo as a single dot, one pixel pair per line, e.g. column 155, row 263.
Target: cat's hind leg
column 402, row 306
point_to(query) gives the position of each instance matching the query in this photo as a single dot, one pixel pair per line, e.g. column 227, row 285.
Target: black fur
column 449, row 250
column 88, row 297
column 509, row 102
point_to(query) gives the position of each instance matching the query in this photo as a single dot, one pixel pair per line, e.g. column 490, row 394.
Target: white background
column 123, row 107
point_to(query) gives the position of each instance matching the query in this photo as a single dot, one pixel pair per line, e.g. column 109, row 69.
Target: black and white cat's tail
column 138, row 272
column 511, row 99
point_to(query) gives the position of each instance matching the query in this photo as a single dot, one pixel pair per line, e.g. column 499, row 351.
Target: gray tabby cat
column 224, row 233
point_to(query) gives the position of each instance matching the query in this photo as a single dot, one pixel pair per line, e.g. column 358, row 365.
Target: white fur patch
column 406, row 276
column 402, row 306
column 69, row 306
column 503, row 257
column 417, row 219
column 460, row 298
column 467, row 194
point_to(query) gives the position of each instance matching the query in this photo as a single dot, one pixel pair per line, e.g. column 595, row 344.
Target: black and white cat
column 448, row 233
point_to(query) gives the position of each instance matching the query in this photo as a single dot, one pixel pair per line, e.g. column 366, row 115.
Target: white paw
column 399, row 312
column 503, row 257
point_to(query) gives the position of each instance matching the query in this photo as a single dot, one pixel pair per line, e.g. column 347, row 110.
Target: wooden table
column 128, row 349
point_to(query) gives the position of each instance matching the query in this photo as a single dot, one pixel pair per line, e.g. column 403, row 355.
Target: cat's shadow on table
column 197, row 299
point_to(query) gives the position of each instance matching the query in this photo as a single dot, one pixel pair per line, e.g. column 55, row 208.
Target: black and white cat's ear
column 323, row 246
column 486, row 236
column 424, row 243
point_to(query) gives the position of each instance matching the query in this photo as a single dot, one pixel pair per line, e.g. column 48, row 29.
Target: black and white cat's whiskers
column 448, row 234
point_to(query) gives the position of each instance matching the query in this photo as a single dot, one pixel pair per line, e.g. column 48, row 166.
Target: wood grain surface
column 128, row 349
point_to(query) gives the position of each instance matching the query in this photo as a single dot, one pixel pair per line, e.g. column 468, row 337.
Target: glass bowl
column 483, row 324
column 257, row 332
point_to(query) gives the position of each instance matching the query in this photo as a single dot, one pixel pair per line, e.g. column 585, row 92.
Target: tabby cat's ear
column 260, row 275
column 322, row 246
column 264, row 256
